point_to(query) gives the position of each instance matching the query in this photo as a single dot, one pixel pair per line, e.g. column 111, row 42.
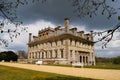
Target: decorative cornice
column 60, row 37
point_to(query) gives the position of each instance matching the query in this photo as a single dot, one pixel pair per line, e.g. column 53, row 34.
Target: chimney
column 91, row 35
column 30, row 36
column 66, row 24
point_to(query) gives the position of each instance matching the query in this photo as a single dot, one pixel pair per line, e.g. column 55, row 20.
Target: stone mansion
column 61, row 45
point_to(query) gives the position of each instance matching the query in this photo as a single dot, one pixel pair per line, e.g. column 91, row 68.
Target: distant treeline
column 8, row 56
column 114, row 60
column 11, row 56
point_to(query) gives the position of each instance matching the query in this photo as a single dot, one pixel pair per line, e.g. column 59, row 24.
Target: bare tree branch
column 108, row 35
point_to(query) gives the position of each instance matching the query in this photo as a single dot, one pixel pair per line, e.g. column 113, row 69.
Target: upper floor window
column 75, row 43
column 70, row 53
column 56, row 55
column 51, row 44
column 62, row 53
column 70, row 41
column 61, row 41
column 56, row 43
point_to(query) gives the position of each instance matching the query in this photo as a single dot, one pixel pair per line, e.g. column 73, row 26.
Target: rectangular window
column 56, row 43
column 42, row 55
column 70, row 53
column 51, row 44
column 62, row 54
column 46, row 55
column 75, row 43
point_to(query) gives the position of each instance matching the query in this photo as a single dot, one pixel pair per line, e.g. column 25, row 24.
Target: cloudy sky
column 37, row 16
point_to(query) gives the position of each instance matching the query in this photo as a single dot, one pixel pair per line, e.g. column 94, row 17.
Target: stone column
column 73, row 56
column 59, row 53
column 37, row 55
column 66, row 49
column 76, row 56
column 30, row 56
column 49, row 54
column 89, row 58
column 46, row 54
column 56, row 53
column 53, row 55
column 64, row 53
column 82, row 58
column 93, row 59
column 34, row 55
column 40, row 55
column 85, row 59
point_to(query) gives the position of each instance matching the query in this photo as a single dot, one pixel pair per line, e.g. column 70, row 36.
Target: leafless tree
column 8, row 23
column 83, row 8
column 90, row 8
column 8, row 19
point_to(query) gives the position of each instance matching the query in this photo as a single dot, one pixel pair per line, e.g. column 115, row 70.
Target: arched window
column 62, row 53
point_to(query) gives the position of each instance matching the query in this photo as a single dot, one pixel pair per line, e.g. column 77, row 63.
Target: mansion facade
column 61, row 45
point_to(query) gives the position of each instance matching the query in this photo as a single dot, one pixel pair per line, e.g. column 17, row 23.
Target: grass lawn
column 98, row 66
column 105, row 66
column 11, row 73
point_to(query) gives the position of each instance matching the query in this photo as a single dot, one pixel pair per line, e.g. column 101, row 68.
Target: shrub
column 8, row 56
column 116, row 60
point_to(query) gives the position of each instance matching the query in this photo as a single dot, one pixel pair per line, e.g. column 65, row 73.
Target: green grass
column 105, row 66
column 98, row 66
column 11, row 73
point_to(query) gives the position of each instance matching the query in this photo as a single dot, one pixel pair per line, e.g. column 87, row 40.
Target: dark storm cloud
column 56, row 10
column 53, row 10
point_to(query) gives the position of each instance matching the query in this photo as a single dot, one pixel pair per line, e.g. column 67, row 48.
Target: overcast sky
column 39, row 15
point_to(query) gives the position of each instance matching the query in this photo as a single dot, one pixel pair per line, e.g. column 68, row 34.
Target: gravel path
column 106, row 74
